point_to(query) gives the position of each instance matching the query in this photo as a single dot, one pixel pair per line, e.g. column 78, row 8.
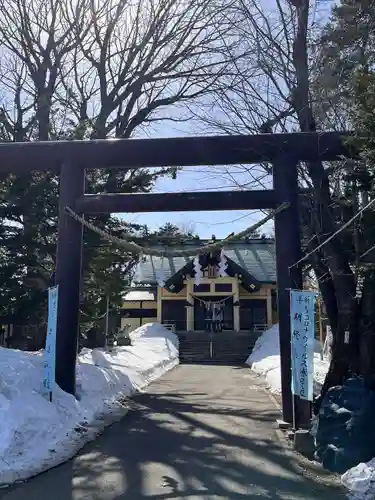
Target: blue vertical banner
column 302, row 318
column 50, row 352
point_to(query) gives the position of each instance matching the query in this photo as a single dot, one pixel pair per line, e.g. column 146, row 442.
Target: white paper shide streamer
column 161, row 274
column 198, row 271
column 142, row 259
column 223, row 264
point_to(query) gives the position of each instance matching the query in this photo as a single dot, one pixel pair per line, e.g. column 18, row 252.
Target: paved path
column 202, row 432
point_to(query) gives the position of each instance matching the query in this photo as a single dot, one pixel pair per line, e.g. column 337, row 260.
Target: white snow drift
column 360, row 481
column 265, row 361
column 36, row 435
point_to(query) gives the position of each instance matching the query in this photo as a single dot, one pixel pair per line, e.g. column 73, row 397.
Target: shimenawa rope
column 134, row 248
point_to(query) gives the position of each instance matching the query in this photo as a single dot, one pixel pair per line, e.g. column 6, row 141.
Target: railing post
column 288, row 252
column 68, row 277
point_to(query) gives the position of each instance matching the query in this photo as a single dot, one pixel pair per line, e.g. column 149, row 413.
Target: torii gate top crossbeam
column 176, row 151
column 70, row 158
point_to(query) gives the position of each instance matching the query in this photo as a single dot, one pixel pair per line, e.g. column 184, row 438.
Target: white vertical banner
column 302, row 319
column 50, row 352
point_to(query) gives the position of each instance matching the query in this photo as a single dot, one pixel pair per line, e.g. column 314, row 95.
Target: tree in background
column 176, row 234
column 74, row 70
column 345, row 90
column 276, row 89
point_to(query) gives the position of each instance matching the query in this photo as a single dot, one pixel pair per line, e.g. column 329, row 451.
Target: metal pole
column 319, row 311
column 107, row 321
column 68, row 277
column 288, row 252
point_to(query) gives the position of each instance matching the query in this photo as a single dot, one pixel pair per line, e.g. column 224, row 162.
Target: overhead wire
column 330, row 238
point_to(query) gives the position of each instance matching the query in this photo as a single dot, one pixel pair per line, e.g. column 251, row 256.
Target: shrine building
column 233, row 290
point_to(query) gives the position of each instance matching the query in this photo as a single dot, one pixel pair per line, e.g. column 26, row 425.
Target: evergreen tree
column 87, row 73
column 345, row 91
column 173, row 234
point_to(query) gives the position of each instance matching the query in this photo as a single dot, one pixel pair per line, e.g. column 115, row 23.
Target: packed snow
column 36, row 434
column 360, row 481
column 265, row 361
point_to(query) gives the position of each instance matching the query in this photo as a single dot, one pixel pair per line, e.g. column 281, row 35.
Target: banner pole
column 49, row 368
column 303, row 328
column 294, row 406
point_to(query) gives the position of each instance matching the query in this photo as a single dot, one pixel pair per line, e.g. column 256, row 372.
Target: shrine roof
column 257, row 257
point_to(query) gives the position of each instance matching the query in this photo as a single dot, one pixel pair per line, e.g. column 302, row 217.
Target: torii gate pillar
column 288, row 252
column 68, row 276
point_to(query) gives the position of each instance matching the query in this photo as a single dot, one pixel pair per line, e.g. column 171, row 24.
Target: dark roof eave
column 268, row 282
column 154, row 283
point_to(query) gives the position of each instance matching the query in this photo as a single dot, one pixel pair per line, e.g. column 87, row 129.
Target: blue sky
column 205, row 224
column 209, row 178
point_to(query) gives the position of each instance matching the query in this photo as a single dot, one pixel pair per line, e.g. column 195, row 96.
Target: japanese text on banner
column 302, row 317
column 50, row 353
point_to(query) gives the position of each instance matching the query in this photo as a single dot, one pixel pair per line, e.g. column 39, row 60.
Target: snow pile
column 265, row 361
column 360, row 481
column 36, row 435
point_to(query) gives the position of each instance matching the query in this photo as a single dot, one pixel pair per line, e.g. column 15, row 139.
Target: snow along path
column 265, row 361
column 201, row 432
column 36, row 435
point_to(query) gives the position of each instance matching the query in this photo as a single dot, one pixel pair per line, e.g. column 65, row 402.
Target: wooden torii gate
column 71, row 158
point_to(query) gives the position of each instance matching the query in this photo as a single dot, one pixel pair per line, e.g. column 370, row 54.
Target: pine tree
column 345, row 92
column 67, row 74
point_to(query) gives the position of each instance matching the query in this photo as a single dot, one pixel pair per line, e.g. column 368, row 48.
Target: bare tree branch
column 147, row 56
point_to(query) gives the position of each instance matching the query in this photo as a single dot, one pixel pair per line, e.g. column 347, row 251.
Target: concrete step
column 224, row 347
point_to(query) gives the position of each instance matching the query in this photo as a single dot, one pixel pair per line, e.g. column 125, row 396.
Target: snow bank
column 265, row 361
column 36, row 435
column 360, row 481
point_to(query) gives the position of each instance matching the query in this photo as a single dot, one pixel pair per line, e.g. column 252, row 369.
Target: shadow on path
column 202, row 432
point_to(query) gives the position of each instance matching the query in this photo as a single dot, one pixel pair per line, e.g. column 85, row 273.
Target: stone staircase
column 194, row 347
column 223, row 347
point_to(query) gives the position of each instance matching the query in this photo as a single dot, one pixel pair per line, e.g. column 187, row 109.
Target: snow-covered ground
column 36, row 435
column 265, row 361
column 360, row 481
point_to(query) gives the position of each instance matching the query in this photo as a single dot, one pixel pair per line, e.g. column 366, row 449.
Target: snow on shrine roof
column 137, row 295
column 257, row 257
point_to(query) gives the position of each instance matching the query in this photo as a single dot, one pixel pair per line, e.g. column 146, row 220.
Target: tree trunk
column 343, row 355
column 317, row 261
column 327, row 290
column 336, row 259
